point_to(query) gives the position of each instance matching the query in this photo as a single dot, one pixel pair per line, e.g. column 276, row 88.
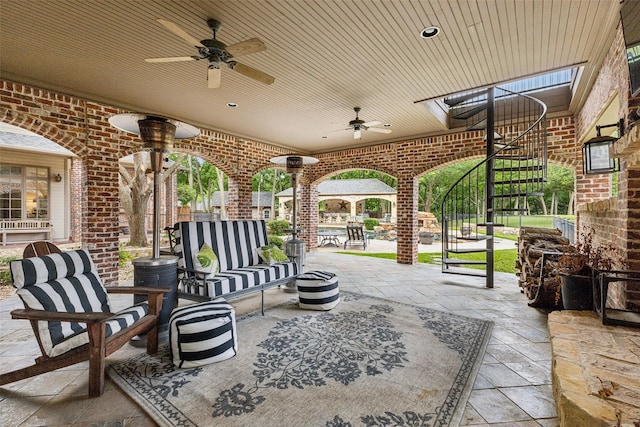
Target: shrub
column 5, row 275
column 123, row 257
column 5, row 278
column 276, row 241
column 370, row 223
column 278, row 227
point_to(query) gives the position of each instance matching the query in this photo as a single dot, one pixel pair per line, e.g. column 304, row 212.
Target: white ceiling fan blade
column 252, row 73
column 373, row 123
column 214, row 76
column 246, row 47
column 380, row 130
column 180, row 32
column 171, row 59
column 357, row 133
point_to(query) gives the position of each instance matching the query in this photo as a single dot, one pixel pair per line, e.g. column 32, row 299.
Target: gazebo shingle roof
column 343, row 187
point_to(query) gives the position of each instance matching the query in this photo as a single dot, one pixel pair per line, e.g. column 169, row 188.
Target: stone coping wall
column 595, row 370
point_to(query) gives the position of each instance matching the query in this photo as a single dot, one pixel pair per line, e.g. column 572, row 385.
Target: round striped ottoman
column 318, row 290
column 202, row 333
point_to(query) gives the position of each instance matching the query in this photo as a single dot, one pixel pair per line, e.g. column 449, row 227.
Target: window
column 266, row 214
column 24, row 192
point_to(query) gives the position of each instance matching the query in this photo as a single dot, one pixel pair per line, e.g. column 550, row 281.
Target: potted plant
column 426, row 237
column 577, row 270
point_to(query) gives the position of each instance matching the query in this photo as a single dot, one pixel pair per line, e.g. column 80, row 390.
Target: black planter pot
column 577, row 292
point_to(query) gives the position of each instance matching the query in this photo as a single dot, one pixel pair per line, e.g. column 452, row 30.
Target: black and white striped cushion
column 202, row 333
column 29, row 271
column 318, row 290
column 235, row 242
column 245, row 278
column 67, row 282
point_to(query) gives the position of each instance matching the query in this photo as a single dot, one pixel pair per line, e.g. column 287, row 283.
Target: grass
column 504, row 259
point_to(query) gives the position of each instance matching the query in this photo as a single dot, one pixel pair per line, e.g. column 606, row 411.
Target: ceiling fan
column 358, row 125
column 216, row 53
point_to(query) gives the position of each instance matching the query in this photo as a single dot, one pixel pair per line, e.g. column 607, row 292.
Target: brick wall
column 82, row 127
column 614, row 220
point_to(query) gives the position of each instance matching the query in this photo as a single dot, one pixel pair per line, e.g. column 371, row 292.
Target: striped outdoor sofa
column 241, row 270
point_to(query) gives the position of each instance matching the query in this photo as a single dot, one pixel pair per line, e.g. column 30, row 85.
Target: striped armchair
column 71, row 315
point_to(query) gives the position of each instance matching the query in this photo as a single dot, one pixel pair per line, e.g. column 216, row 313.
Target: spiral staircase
column 513, row 170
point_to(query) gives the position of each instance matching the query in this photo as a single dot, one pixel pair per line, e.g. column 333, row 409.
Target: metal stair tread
column 518, row 194
column 461, row 98
column 468, row 250
column 520, row 181
column 463, row 261
column 471, row 112
column 464, row 272
column 526, row 168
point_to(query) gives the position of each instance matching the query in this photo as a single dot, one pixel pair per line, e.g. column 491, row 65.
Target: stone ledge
column 590, row 360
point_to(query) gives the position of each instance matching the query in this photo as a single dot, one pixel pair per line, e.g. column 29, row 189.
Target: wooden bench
column 241, row 271
column 35, row 229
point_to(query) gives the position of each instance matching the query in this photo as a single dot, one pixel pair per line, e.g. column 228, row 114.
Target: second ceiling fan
column 216, row 53
column 358, row 125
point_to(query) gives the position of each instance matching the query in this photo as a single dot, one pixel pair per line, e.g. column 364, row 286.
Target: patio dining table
column 329, row 238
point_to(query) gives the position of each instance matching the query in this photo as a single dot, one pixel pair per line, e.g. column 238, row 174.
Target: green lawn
column 504, row 261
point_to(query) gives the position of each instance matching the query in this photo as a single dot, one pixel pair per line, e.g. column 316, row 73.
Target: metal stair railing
column 514, row 170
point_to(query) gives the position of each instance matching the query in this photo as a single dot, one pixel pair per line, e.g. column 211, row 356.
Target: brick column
column 100, row 217
column 309, row 215
column 407, row 220
column 240, row 197
column 78, row 198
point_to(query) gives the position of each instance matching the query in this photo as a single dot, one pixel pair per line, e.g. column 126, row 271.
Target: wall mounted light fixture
column 596, row 152
column 57, row 177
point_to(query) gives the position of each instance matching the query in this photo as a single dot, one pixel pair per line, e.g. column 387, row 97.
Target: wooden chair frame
column 99, row 346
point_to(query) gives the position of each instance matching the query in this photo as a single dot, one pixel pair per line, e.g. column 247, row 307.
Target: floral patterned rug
column 367, row 362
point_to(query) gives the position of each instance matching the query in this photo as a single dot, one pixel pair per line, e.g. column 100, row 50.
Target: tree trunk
column 571, row 202
column 223, row 206
column 134, row 196
column 544, row 205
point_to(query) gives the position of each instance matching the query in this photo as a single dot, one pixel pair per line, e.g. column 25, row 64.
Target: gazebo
column 345, row 200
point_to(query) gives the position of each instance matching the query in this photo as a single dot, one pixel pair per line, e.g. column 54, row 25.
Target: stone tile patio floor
column 513, row 387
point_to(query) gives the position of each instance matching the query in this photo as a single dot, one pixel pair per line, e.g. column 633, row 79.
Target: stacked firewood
column 540, row 289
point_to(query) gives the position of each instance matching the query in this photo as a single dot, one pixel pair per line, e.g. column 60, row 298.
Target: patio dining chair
column 355, row 236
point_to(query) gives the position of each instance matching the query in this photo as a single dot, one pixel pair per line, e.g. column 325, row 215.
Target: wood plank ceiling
column 327, row 56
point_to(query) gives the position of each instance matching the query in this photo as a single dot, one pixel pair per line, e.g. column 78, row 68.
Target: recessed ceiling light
column 387, row 125
column 429, row 32
column 232, row 104
column 324, row 136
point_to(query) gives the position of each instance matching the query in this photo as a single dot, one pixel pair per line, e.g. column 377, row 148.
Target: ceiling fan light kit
column 358, row 125
column 216, row 53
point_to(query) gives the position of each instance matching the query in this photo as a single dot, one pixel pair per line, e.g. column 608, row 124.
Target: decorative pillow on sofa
column 206, row 260
column 272, row 255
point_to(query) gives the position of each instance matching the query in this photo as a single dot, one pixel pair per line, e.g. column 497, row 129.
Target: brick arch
column 44, row 129
column 451, row 161
column 319, row 179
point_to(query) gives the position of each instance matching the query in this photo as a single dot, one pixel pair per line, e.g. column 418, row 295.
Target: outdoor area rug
column 367, row 362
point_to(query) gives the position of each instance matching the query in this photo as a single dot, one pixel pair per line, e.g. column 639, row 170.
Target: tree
column 135, row 189
column 205, row 179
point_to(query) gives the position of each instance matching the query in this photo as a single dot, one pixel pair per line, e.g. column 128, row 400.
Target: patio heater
column 294, row 247
column 157, row 134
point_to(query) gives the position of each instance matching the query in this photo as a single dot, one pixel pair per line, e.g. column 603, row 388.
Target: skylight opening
column 539, row 83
